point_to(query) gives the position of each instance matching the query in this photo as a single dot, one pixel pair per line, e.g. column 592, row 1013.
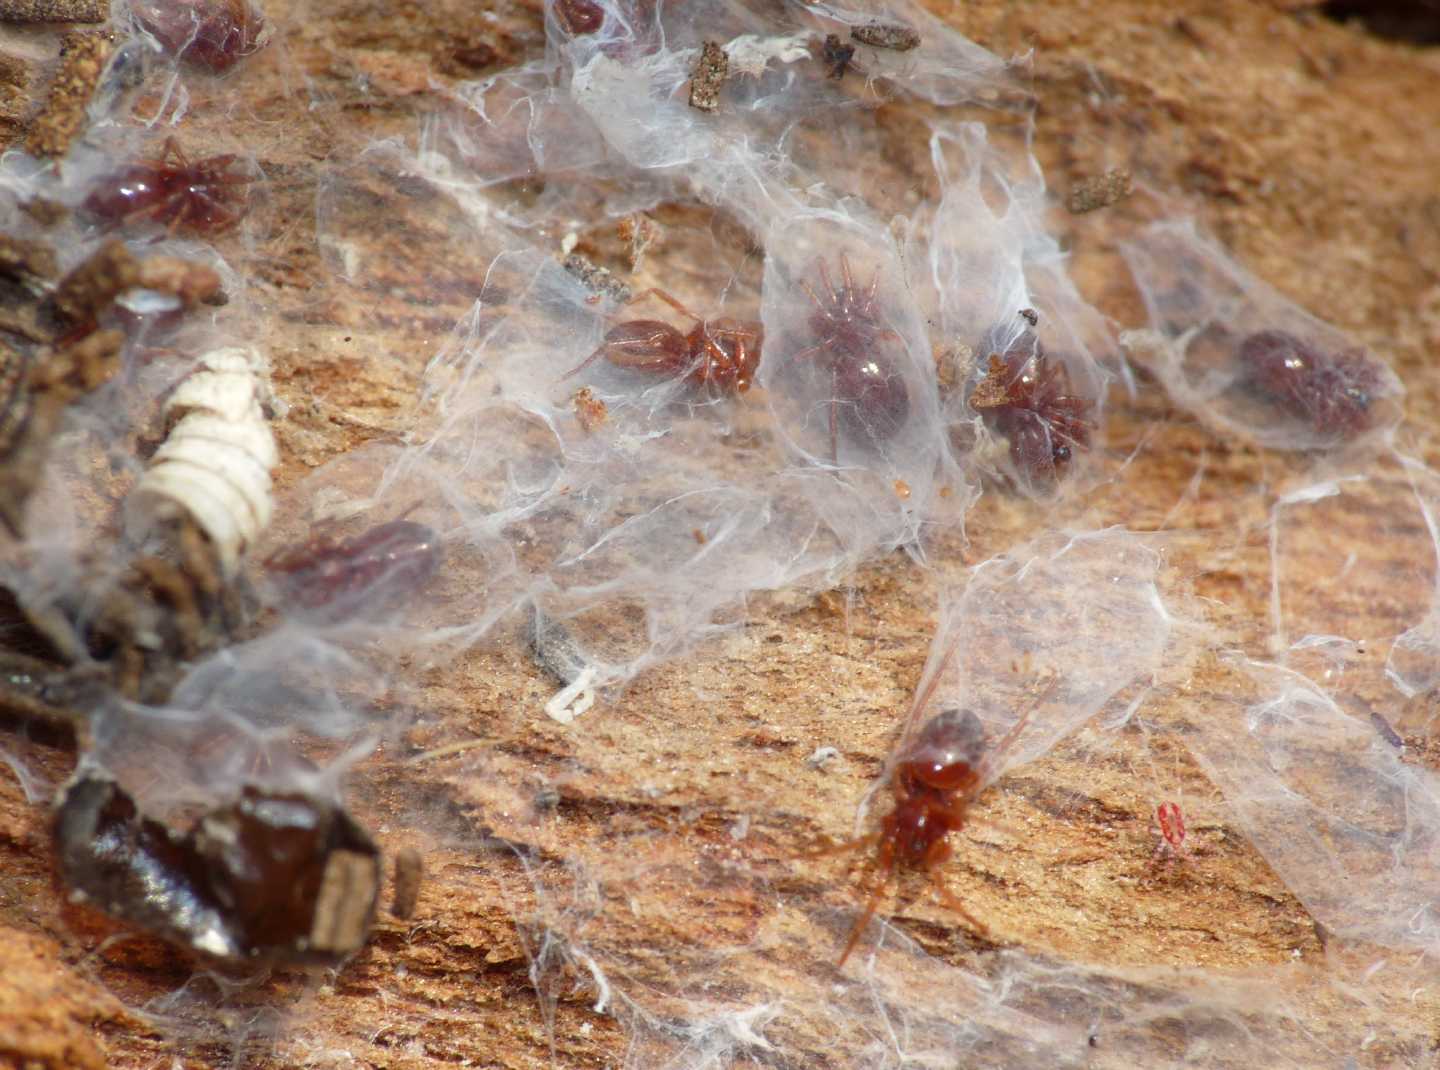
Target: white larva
column 215, row 463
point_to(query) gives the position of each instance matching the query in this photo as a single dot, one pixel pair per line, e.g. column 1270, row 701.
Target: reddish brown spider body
column 322, row 572
column 938, row 774
column 1332, row 392
column 934, row 782
column 215, row 34
column 722, row 353
column 579, row 17
column 860, row 357
column 202, row 196
column 1027, row 397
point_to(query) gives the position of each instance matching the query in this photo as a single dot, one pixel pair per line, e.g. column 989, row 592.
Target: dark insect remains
column 722, row 353
column 271, row 876
column 203, row 197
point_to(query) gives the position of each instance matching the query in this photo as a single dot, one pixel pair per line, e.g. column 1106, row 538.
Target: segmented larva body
column 215, row 463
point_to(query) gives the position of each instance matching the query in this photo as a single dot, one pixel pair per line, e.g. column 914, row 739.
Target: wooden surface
column 653, row 842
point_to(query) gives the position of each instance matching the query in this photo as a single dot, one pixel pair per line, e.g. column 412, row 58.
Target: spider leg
column 870, row 293
column 887, row 868
column 1004, row 742
column 812, row 295
column 715, row 365
column 225, row 216
column 655, row 291
column 591, row 359
column 145, row 213
column 841, row 848
column 178, row 218
column 834, row 424
column 172, row 148
column 953, row 902
column 825, row 280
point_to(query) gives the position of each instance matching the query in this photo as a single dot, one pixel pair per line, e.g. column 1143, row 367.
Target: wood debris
column 710, row 74
column 1099, row 191
column 83, row 56
column 54, row 10
column 895, row 36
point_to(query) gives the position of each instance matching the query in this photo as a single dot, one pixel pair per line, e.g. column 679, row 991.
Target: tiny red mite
column 723, row 353
column 202, row 196
column 1172, row 826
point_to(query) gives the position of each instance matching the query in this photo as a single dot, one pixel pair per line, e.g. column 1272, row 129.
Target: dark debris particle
column 710, row 74
column 590, row 411
column 639, row 232
column 895, row 36
column 83, row 55
column 476, row 55
column 1099, row 191
column 275, row 876
column 54, row 10
column 27, row 262
column 837, row 55
column 1387, row 733
column 409, row 874
column 93, row 285
column 45, row 211
column 597, row 279
column 554, row 648
column 14, row 397
column 1415, row 21
column 34, row 405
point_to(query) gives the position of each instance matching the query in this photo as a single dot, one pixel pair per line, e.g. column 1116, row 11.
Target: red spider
column 936, row 778
column 200, row 196
column 861, row 357
column 579, row 17
column 723, row 353
column 1332, row 392
column 209, row 33
column 388, row 560
column 1027, row 397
